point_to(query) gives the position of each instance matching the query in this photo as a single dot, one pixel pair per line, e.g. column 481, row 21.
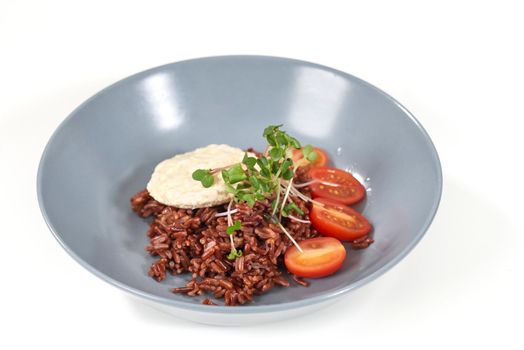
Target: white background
column 457, row 66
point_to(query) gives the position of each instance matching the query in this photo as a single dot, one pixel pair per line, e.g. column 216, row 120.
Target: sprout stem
column 277, row 199
column 229, row 218
column 305, row 198
column 294, row 218
column 305, row 184
column 288, row 189
column 300, row 195
column 232, row 242
column 226, row 213
column 230, row 223
column 289, row 236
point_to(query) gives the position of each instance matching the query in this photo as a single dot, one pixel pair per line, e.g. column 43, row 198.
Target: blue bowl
column 106, row 149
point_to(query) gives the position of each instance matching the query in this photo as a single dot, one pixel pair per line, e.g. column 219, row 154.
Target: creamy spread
column 172, row 183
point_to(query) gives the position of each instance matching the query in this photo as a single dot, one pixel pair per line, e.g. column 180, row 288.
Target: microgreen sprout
column 309, row 153
column 237, row 226
column 204, row 176
column 294, row 218
column 289, row 208
column 232, row 227
column 255, row 179
column 235, row 253
column 314, row 181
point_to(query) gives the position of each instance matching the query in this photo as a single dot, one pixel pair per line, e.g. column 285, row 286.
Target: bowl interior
column 106, row 150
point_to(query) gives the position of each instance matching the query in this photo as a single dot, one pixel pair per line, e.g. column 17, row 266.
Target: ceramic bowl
column 106, row 150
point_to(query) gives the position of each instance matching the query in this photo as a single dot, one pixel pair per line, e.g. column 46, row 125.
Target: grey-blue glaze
column 106, row 149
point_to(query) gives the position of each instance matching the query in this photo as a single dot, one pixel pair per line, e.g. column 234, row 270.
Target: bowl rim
column 253, row 308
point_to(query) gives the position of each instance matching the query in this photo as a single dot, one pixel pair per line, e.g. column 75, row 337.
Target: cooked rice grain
column 196, row 241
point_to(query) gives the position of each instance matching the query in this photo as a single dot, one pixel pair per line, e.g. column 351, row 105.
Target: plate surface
column 106, row 149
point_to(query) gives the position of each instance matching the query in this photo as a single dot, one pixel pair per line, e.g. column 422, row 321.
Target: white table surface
column 457, row 67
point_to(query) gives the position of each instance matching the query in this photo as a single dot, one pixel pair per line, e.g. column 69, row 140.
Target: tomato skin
column 349, row 190
column 346, row 226
column 321, row 256
column 322, row 157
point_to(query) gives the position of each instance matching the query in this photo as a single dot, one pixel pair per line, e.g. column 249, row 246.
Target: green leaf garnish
column 255, row 182
column 199, row 174
column 235, row 174
column 250, row 162
column 294, row 142
column 208, row 181
column 312, row 156
column 235, row 227
column 263, row 164
column 286, row 211
column 282, row 139
column 204, row 176
column 288, row 174
column 235, row 253
column 249, row 199
column 276, row 153
column 306, row 150
column 271, row 129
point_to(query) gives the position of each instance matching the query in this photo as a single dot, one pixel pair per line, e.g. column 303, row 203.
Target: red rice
column 196, row 242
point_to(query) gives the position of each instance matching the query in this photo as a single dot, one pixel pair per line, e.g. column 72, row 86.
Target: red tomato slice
column 345, row 189
column 337, row 220
column 322, row 158
column 321, row 256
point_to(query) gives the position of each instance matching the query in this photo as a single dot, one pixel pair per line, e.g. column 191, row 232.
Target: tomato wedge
column 345, row 188
column 321, row 256
column 337, row 220
column 322, row 157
